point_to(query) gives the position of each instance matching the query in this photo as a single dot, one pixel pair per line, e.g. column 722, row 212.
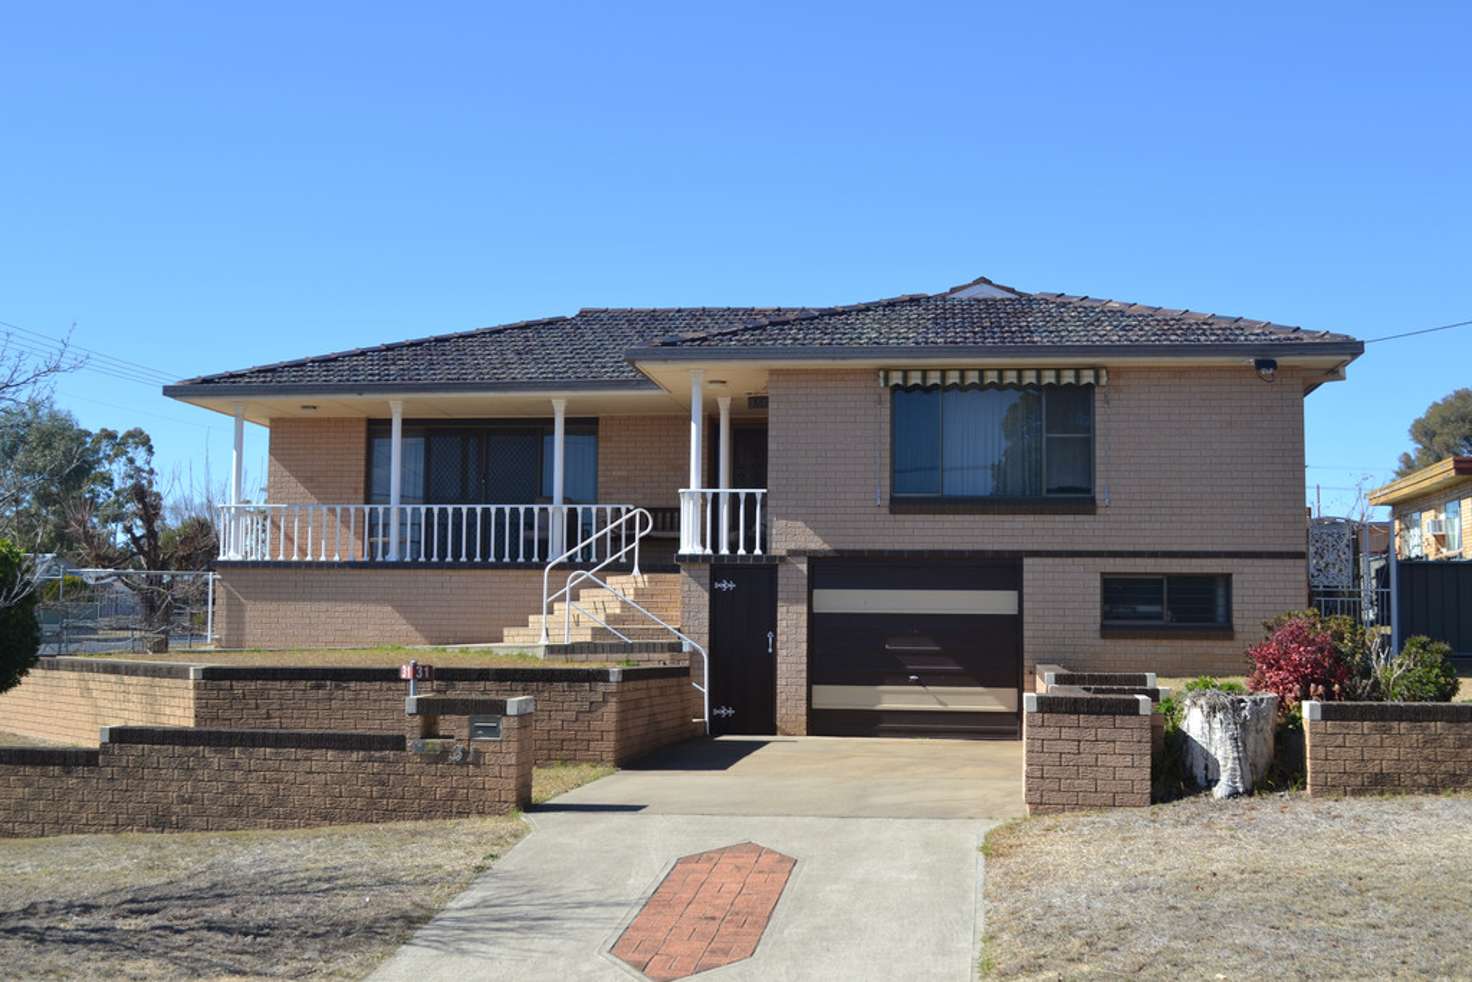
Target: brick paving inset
column 709, row 910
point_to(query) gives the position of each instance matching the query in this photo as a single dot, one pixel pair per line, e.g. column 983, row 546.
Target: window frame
column 939, row 502
column 426, row 428
column 1456, row 504
column 1165, row 628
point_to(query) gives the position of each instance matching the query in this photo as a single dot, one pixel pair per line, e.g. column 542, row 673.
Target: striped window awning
column 962, row 377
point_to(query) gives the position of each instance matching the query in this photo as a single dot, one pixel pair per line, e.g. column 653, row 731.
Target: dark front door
column 743, row 645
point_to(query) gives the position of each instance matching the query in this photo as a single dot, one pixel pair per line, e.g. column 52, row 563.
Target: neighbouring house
column 1431, row 509
column 1431, row 522
column 875, row 518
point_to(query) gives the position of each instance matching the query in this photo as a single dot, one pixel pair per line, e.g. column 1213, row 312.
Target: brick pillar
column 1082, row 751
column 516, row 754
column 695, row 622
column 792, row 647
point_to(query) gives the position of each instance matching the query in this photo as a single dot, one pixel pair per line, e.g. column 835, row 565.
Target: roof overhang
column 746, row 369
column 262, row 403
column 1439, row 476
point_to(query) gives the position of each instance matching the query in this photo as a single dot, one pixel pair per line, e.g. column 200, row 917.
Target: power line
column 112, row 360
column 101, row 368
column 1427, row 330
column 134, row 409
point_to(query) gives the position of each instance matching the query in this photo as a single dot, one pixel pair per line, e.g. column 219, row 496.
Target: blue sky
column 201, row 188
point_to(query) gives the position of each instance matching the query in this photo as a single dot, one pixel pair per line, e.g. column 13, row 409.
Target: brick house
column 869, row 519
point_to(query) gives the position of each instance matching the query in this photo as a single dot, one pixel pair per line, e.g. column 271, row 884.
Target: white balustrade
column 723, row 523
column 485, row 534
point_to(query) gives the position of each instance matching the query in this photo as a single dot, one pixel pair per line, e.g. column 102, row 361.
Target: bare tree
column 26, row 373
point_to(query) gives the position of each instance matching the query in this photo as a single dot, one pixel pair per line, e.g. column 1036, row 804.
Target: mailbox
column 485, row 727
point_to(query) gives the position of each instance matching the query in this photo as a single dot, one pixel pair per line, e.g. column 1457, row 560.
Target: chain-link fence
column 86, row 611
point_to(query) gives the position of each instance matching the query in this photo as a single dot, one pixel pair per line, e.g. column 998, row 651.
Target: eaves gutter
column 258, row 389
column 1279, row 349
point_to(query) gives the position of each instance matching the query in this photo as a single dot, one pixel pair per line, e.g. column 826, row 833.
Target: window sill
column 1169, row 632
column 992, row 506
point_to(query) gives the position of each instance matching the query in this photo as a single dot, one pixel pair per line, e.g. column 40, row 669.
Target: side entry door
column 743, row 650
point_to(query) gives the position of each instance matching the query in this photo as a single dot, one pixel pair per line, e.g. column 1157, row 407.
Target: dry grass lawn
column 311, row 903
column 8, row 739
column 1281, row 886
column 325, row 903
column 555, row 779
column 388, row 656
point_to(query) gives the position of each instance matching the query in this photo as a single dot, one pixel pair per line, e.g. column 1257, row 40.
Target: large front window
column 482, row 462
column 1031, row 442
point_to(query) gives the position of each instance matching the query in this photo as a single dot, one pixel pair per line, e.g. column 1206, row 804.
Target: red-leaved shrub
column 1298, row 661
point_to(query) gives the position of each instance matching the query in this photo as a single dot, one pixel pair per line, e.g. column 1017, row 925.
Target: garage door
column 915, row 648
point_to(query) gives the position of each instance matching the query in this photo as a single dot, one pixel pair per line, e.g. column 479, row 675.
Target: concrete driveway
column 832, row 777
column 886, row 883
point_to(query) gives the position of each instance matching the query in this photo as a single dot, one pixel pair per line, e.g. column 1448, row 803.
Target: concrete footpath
column 876, row 895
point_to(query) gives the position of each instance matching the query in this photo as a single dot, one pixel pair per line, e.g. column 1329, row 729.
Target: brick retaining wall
column 1085, row 751
column 596, row 715
column 1387, row 747
column 69, row 700
column 158, row 779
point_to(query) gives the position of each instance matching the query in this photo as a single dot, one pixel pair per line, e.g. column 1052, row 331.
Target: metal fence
column 1370, row 605
column 89, row 611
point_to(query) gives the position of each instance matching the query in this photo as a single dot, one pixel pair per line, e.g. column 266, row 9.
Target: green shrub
column 1422, row 672
column 20, row 631
column 1202, row 683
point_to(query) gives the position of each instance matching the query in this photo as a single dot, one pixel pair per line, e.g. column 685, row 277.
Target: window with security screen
column 1185, row 600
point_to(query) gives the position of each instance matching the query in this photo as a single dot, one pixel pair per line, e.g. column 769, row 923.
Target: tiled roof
column 586, row 348
column 1021, row 319
column 591, row 348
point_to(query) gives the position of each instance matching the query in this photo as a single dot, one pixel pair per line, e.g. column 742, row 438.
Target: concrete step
column 523, row 636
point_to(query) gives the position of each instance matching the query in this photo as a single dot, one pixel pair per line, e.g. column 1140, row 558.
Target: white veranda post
column 395, row 475
column 724, row 479
column 237, row 471
column 559, row 441
column 691, row 523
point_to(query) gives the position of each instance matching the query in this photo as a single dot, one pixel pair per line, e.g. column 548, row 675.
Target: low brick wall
column 1387, row 747
column 1085, row 751
column 596, row 715
column 158, row 779
column 69, row 700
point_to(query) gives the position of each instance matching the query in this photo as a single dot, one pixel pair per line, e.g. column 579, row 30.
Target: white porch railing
column 499, row 534
column 723, row 523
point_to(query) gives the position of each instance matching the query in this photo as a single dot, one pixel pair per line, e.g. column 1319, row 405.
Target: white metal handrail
column 639, row 516
column 643, row 525
column 703, row 687
column 488, row 534
column 722, row 522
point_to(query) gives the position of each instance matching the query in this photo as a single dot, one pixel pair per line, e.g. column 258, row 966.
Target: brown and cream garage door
column 925, row 648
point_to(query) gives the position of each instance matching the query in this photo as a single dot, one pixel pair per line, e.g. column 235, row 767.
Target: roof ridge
column 982, row 281
column 676, row 310
column 388, row 346
column 798, row 314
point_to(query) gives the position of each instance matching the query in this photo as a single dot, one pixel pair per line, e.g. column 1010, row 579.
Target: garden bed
column 1276, row 885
